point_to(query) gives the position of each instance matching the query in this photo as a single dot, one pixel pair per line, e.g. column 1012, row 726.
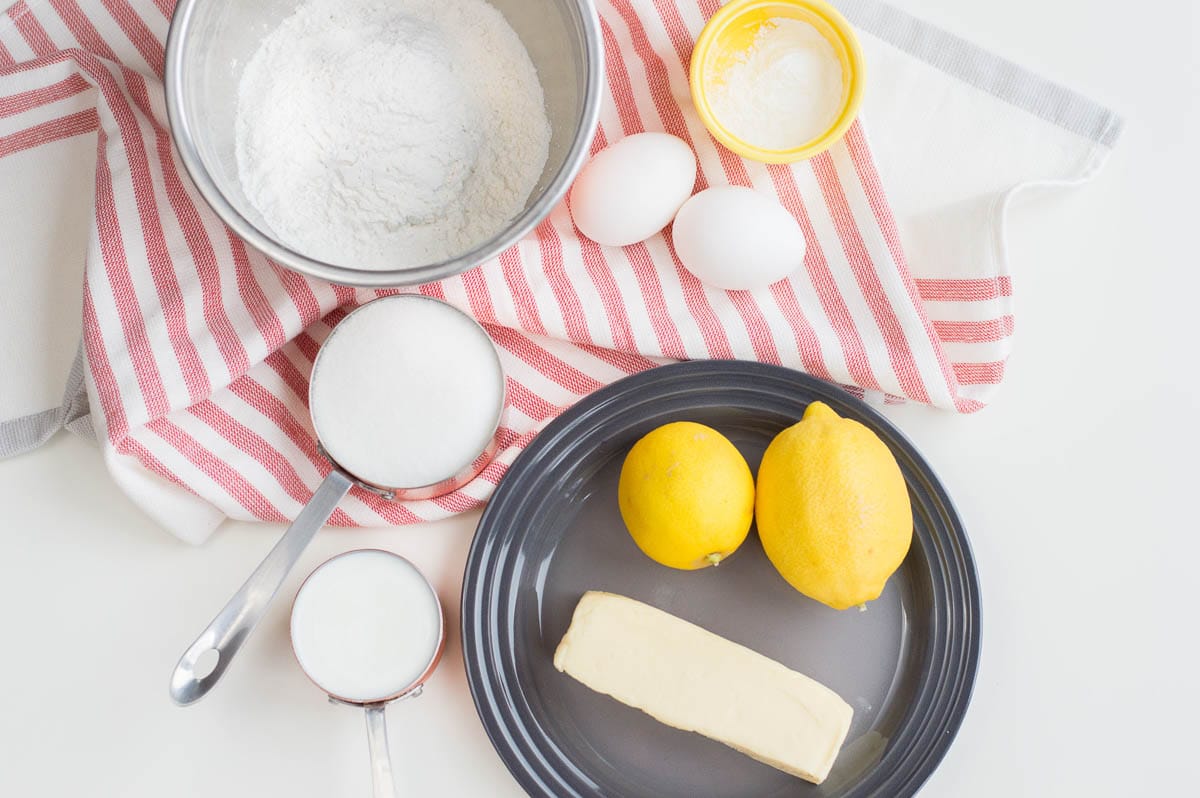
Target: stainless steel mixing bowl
column 211, row 40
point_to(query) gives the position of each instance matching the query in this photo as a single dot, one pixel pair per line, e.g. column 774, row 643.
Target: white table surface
column 1078, row 487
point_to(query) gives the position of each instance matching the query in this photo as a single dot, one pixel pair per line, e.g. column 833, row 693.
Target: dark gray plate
column 553, row 531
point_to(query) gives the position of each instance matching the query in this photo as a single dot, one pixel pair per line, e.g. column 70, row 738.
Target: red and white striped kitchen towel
column 197, row 348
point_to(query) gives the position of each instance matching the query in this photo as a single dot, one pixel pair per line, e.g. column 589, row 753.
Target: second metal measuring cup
column 196, row 674
column 356, row 586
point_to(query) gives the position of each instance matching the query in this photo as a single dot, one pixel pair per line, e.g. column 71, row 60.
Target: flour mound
column 385, row 134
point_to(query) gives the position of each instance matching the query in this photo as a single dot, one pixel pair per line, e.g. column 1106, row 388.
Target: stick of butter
column 692, row 679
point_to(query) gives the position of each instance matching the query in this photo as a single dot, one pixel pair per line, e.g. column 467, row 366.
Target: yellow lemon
column 832, row 509
column 686, row 495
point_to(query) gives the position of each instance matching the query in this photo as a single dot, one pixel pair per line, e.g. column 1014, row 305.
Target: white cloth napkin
column 957, row 132
column 960, row 133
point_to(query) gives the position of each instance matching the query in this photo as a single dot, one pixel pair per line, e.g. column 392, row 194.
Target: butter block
column 691, row 679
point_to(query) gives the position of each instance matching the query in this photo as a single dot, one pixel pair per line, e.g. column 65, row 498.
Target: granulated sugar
column 406, row 392
column 382, row 134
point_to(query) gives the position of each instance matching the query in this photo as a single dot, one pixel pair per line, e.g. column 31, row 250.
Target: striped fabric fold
column 198, row 348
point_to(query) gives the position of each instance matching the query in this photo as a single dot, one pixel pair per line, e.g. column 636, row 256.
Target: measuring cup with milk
column 406, row 397
column 367, row 628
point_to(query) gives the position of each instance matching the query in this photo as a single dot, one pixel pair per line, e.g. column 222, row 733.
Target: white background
column 1079, row 488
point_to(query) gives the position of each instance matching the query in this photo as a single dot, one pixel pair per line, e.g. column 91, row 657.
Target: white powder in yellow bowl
column 782, row 92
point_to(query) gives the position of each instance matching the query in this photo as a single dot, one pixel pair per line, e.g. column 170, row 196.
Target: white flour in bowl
column 382, row 134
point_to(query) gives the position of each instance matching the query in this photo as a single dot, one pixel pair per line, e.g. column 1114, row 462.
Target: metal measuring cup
column 196, row 672
column 374, row 706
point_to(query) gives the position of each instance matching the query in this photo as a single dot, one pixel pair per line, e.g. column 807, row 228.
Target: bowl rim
column 854, row 63
column 182, row 135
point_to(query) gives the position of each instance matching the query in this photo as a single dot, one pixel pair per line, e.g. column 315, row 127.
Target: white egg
column 632, row 189
column 735, row 238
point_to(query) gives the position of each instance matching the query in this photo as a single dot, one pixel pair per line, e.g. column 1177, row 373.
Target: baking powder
column 382, row 134
column 782, row 92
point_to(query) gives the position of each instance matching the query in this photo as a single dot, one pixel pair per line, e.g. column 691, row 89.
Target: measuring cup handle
column 237, row 620
column 381, row 756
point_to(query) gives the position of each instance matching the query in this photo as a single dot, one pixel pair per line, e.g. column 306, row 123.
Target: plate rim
column 944, row 724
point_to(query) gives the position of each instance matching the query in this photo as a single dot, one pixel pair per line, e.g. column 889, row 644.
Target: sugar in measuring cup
column 367, row 628
column 406, row 398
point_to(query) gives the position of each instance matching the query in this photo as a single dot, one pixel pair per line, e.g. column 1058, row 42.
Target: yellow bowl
column 731, row 31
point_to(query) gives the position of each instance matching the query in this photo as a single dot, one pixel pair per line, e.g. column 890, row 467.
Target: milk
column 366, row 625
column 406, row 392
